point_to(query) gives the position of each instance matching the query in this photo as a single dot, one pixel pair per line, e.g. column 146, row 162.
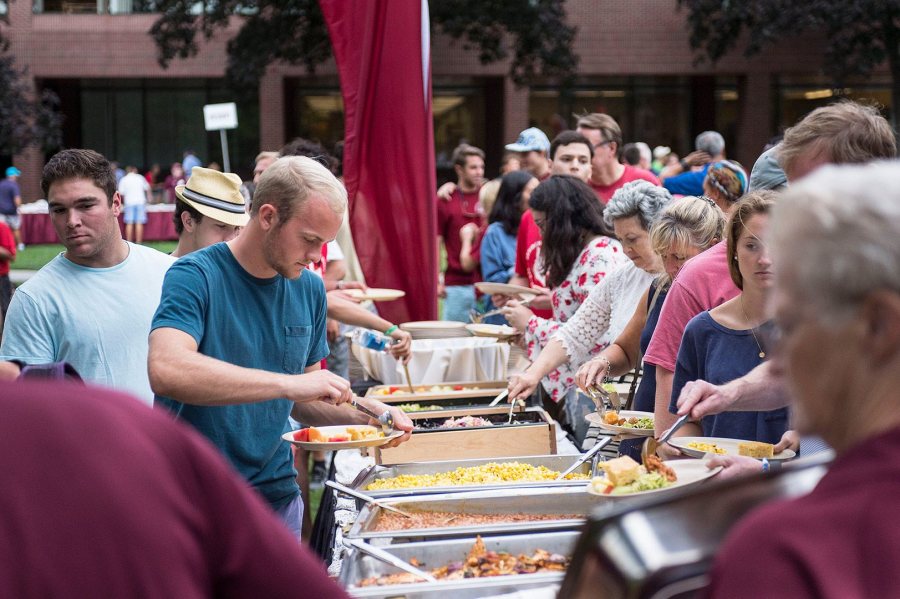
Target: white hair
column 637, row 198
column 837, row 233
column 710, row 142
column 644, row 149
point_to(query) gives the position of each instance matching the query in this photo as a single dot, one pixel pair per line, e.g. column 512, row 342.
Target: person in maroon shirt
column 456, row 285
column 104, row 497
column 608, row 174
column 837, row 306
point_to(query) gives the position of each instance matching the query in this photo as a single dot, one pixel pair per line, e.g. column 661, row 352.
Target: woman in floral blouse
column 578, row 251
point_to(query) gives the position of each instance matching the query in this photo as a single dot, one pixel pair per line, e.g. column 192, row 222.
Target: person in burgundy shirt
column 115, row 499
column 456, row 285
column 608, row 174
column 837, row 305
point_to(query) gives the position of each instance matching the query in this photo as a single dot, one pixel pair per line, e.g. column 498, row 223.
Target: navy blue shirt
column 687, row 184
column 717, row 354
column 9, row 189
column 273, row 324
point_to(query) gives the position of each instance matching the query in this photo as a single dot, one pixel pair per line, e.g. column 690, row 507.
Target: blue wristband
column 765, row 464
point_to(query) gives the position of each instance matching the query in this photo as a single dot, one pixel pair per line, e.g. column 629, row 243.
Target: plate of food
column 624, row 422
column 698, row 447
column 498, row 331
column 519, row 291
column 375, row 294
column 330, row 438
column 623, row 477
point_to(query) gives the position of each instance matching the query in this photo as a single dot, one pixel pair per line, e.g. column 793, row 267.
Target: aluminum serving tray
column 553, row 462
column 434, row 554
column 562, row 501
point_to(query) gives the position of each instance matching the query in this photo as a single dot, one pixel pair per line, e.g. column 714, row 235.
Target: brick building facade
column 635, row 63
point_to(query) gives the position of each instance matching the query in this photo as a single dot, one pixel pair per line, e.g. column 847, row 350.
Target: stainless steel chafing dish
column 434, row 554
column 561, row 501
column 664, row 548
column 553, row 462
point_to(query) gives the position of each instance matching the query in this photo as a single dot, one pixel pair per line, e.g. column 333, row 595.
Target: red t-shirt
column 8, row 242
column 841, row 540
column 631, row 173
column 528, row 257
column 703, row 283
column 453, row 215
column 119, row 500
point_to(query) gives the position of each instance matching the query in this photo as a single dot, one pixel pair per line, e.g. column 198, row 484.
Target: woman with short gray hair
column 608, row 308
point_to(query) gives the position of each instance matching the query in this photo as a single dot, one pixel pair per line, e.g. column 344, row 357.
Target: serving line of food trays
column 437, row 553
column 391, row 394
column 494, row 512
column 557, row 463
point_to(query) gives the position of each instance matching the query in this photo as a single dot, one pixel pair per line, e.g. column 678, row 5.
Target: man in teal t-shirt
column 237, row 339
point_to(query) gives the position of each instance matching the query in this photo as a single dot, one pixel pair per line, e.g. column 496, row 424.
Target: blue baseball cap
column 530, row 140
column 13, row 172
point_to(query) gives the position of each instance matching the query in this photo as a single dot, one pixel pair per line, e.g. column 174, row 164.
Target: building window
column 660, row 111
column 152, row 121
column 798, row 96
column 315, row 110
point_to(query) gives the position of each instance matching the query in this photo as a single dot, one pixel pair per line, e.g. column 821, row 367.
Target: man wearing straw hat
column 92, row 305
column 240, row 331
column 210, row 208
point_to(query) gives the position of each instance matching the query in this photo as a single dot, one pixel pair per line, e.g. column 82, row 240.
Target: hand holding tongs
column 651, row 444
column 385, row 419
column 478, row 318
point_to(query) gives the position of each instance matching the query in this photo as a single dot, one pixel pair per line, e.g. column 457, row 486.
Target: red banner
column 382, row 49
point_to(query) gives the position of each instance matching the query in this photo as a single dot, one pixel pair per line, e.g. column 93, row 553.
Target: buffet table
column 37, row 229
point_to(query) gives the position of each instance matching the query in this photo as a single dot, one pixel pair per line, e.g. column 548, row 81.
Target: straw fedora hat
column 216, row 195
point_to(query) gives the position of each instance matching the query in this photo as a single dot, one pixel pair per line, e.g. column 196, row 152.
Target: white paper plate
column 375, row 294
column 596, row 419
column 505, row 289
column 498, row 331
column 729, row 445
column 337, row 430
column 689, row 472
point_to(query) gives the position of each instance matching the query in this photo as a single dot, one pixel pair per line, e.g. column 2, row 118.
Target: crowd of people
column 759, row 305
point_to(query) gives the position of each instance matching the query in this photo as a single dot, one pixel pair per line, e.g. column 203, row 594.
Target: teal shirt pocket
column 296, row 348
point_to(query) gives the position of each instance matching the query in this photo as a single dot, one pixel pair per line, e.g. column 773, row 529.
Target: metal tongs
column 477, row 318
column 601, row 398
column 385, row 420
column 367, row 498
column 651, row 444
column 387, row 558
column 587, row 455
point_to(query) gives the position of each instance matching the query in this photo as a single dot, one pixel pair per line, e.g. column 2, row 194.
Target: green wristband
column 391, row 329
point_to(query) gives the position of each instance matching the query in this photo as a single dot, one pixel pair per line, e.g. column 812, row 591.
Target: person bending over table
column 240, row 331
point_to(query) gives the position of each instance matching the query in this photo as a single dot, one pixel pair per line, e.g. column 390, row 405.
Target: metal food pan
column 553, row 462
column 487, row 587
column 434, row 554
column 562, row 501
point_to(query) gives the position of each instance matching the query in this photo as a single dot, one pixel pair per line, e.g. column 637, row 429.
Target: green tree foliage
column 858, row 35
column 533, row 34
column 26, row 120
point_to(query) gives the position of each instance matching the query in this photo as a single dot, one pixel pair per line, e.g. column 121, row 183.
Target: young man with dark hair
column 209, row 209
column 455, row 284
column 571, row 154
column 92, row 305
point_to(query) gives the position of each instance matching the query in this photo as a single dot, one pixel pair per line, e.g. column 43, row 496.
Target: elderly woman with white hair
column 837, row 307
column 608, row 308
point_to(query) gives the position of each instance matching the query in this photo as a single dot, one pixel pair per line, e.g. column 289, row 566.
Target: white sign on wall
column 220, row 116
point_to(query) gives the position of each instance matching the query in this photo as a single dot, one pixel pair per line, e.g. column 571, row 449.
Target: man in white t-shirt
column 92, row 305
column 135, row 191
